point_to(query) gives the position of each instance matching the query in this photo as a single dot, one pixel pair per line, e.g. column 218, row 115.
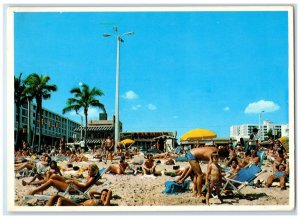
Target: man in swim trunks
column 194, row 156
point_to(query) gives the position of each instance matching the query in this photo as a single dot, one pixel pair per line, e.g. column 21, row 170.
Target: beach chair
column 243, row 178
column 262, row 157
column 84, row 195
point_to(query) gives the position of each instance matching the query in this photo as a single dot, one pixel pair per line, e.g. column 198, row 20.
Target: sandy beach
column 141, row 190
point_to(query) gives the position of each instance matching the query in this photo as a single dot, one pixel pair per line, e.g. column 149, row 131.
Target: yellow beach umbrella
column 127, row 141
column 284, row 142
column 198, row 134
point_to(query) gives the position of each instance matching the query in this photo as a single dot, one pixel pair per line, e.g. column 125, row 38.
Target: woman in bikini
column 62, row 184
column 54, row 169
column 97, row 199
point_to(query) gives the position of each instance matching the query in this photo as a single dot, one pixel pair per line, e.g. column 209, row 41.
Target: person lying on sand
column 44, row 177
column 62, row 184
column 165, row 156
column 213, row 178
column 97, row 199
column 118, row 168
column 149, row 165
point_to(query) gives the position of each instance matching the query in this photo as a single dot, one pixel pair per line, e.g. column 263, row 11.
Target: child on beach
column 213, row 178
column 97, row 199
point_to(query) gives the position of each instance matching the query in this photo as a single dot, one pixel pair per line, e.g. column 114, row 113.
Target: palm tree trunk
column 40, row 125
column 34, row 130
column 85, row 134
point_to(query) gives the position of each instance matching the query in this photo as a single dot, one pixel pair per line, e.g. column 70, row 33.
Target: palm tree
column 20, row 99
column 38, row 88
column 84, row 97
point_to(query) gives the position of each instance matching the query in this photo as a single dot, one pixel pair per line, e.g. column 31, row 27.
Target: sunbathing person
column 213, row 178
column 97, row 199
column 254, row 158
column 165, row 156
column 202, row 154
column 62, row 184
column 281, row 173
column 149, row 165
column 54, row 169
column 41, row 166
column 118, row 168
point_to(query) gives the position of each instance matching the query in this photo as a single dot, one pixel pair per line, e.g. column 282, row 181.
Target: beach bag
column 172, row 187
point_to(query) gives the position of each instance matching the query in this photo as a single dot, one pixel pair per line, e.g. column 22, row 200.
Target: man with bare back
column 202, row 154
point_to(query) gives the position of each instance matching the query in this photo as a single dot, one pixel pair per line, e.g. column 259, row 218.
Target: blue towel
column 172, row 187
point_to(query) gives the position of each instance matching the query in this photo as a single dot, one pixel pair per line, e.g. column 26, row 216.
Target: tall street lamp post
column 119, row 40
column 260, row 126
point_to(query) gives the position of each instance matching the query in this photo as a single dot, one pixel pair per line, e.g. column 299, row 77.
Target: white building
column 244, row 130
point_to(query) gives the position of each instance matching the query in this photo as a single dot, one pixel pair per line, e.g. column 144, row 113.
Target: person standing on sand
column 62, row 145
column 109, row 144
column 202, row 154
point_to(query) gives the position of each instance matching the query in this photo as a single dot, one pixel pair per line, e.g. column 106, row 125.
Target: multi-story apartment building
column 54, row 126
column 244, row 130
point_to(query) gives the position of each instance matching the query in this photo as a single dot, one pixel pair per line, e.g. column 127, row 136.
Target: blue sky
column 180, row 71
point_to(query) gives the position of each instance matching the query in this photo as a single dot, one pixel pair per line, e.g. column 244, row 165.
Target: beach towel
column 172, row 187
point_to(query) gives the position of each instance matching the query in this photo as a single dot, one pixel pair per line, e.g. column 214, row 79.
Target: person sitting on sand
column 54, row 169
column 118, row 168
column 213, row 178
column 202, row 154
column 97, row 199
column 281, row 173
column 78, row 157
column 149, row 165
column 62, row 184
